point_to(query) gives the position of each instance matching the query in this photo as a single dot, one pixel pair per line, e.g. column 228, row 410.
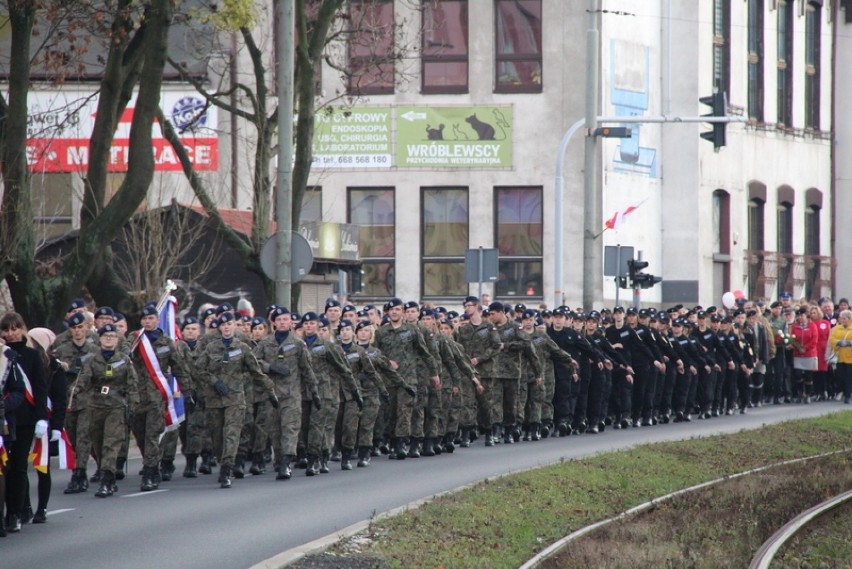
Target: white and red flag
column 618, row 219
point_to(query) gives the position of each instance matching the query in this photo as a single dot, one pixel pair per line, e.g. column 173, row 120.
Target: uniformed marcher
column 108, row 382
column 226, row 366
column 371, row 390
column 192, row 430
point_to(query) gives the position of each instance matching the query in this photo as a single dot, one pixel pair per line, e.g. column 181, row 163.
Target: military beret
column 594, row 315
column 224, row 307
column 344, row 323
column 187, row 321
column 214, row 324
column 76, row 319
column 605, row 311
column 278, row 311
column 802, row 310
column 539, row 321
column 678, row 307
column 677, row 322
column 560, row 311
column 632, row 310
column 298, row 325
column 737, row 312
column 663, row 318
column 363, row 313
column 452, row 314
column 76, row 304
column 520, row 307
column 644, row 312
column 496, row 306
column 385, row 319
column 469, row 299
column 225, row 317
column 427, row 312
column 671, row 310
column 119, row 316
column 710, row 309
column 775, row 304
column 751, row 313
column 715, row 318
column 331, row 303
column 295, row 316
column 618, row 309
column 546, row 313
column 271, row 307
column 245, row 318
column 529, row 313
column 350, row 308
column 362, row 324
column 322, row 322
column 107, row 328
column 149, row 309
column 395, row 301
column 441, row 310
column 105, row 311
column 698, row 308
column 785, row 295
column 411, row 304
column 580, row 316
column 727, row 320
column 464, row 317
column 208, row 313
column 701, row 314
column 310, row 317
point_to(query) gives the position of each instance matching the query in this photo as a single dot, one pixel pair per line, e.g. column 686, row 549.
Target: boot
column 364, row 456
column 399, row 449
column 301, row 459
column 465, row 438
column 258, row 466
column 191, row 470
column 324, row 462
column 284, row 470
column 148, row 484
column 385, row 446
column 428, row 447
column 414, row 447
column 449, row 445
column 496, row 433
column 313, row 465
column 120, row 463
column 535, row 432
column 527, row 433
column 336, row 456
column 346, row 459
column 239, row 466
column 96, row 477
column 224, row 476
column 74, row 484
column 545, row 430
column 436, row 446
column 107, row 485
column 167, row 468
column 206, row 466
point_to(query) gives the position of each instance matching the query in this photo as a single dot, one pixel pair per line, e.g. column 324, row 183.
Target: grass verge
column 505, row 521
column 825, row 543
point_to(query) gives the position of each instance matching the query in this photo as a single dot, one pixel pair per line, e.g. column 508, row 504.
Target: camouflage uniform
column 461, row 388
column 233, row 363
column 482, row 343
column 371, row 388
column 371, row 428
column 148, row 419
column 548, row 352
column 291, row 354
column 433, row 425
column 110, row 388
column 334, row 377
column 77, row 417
column 507, row 374
column 191, row 431
column 405, row 345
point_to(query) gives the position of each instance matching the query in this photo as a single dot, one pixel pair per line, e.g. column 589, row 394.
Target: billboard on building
column 352, row 138
column 60, row 124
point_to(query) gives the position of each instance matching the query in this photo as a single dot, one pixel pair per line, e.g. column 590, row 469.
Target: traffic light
column 621, row 282
column 638, row 279
column 719, row 103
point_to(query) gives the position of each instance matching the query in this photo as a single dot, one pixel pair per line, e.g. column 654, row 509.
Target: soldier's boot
column 336, row 456
column 191, row 468
column 147, row 484
column 546, row 428
column 284, row 470
column 167, row 469
column 449, row 445
column 324, row 462
column 414, row 446
column 313, row 466
column 496, row 434
column 224, row 476
column 386, row 446
column 392, row 448
column 437, row 446
column 258, row 466
column 428, row 447
column 107, row 483
column 535, row 432
column 527, row 433
column 239, row 466
column 206, row 466
column 96, row 477
column 74, row 483
column 399, row 449
column 508, row 434
column 120, row 463
column 346, row 459
column 364, row 454
column 465, row 438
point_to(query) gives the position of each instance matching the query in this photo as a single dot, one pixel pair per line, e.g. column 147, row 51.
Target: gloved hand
column 316, row 401
column 410, row 390
column 356, row 395
column 279, row 369
column 384, row 396
column 130, row 413
column 55, row 435
column 273, row 399
column 189, row 401
column 40, row 428
column 200, row 403
column 221, row 388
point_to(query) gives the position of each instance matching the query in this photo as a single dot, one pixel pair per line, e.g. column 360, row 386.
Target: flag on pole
column 617, row 220
column 175, row 409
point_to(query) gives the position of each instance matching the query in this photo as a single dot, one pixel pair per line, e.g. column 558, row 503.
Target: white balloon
column 729, row 300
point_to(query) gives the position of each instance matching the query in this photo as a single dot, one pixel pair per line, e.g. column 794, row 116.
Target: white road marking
column 54, row 512
column 149, row 493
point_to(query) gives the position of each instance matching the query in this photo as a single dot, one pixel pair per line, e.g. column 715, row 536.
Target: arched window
column 756, row 243
column 813, row 210
column 721, row 242
column 784, row 245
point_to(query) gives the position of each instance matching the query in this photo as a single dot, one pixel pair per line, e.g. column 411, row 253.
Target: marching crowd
column 406, row 380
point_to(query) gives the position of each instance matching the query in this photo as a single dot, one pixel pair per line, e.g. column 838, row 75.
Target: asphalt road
column 194, row 524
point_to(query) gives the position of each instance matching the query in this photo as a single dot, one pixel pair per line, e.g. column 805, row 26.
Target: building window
column 812, row 250
column 311, row 205
column 371, row 47
column 445, row 239
column 518, row 44
column 755, row 60
column 785, row 247
column 813, row 27
column 445, row 49
column 373, row 211
column 722, row 241
column 756, row 246
column 519, row 236
column 785, row 63
column 722, row 46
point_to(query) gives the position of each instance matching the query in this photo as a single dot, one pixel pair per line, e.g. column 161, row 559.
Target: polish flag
column 617, row 219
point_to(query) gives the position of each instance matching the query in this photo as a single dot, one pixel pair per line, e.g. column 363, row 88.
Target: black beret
column 362, row 324
column 76, row 304
column 224, row 307
column 149, row 309
column 395, row 301
column 105, row 311
column 411, row 304
column 207, row 313
column 76, row 319
column 107, row 328
column 310, row 317
column 187, row 321
column 225, row 317
column 258, row 321
column 331, row 303
column 344, row 323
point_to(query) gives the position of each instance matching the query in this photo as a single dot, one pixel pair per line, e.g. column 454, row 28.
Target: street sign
column 301, row 259
column 615, row 263
column 480, row 265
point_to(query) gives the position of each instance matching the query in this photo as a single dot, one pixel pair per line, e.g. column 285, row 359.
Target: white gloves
column 55, row 435
column 40, row 428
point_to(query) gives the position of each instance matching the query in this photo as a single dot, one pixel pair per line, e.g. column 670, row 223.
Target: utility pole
column 592, row 200
column 284, row 188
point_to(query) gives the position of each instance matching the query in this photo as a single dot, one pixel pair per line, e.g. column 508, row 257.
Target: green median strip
column 505, row 521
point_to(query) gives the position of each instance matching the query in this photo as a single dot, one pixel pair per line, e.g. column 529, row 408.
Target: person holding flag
column 109, row 383
column 25, row 392
column 155, row 359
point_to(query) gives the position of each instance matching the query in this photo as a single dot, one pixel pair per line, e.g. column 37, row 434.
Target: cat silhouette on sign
column 435, row 133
